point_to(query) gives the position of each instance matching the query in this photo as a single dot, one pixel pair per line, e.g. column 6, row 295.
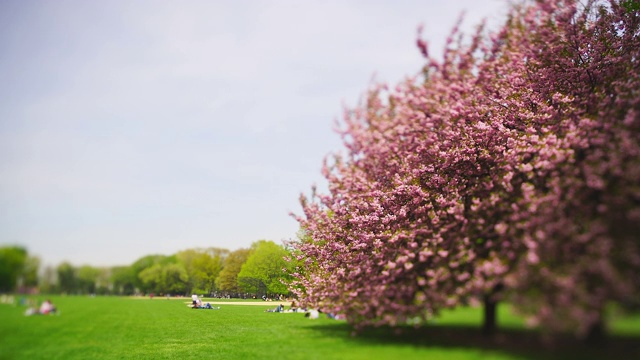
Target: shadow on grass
column 519, row 342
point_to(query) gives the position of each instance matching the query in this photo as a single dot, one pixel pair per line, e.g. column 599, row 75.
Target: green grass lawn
column 127, row 328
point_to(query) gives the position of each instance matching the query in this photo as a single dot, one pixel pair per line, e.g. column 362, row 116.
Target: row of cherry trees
column 510, row 169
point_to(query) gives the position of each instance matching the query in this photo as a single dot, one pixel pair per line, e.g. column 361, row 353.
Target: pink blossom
column 516, row 160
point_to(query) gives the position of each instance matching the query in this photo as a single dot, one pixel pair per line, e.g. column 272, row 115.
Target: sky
column 130, row 128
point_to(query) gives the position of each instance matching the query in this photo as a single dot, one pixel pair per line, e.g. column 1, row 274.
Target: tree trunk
column 489, row 325
column 595, row 334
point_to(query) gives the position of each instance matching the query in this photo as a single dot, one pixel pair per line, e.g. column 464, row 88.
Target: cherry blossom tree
column 586, row 228
column 509, row 168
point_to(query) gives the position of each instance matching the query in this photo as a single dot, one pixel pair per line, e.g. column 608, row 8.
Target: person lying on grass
column 199, row 305
column 279, row 308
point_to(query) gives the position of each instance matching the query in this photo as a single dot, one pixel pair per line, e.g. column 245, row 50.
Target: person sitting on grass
column 197, row 304
column 47, row 308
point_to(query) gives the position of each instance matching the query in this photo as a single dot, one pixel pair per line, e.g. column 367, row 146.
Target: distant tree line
column 248, row 272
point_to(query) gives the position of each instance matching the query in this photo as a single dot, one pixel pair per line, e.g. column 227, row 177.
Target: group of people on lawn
column 310, row 313
column 196, row 303
column 292, row 309
column 46, row 308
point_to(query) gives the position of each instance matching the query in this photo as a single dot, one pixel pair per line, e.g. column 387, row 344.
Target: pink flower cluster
column 512, row 163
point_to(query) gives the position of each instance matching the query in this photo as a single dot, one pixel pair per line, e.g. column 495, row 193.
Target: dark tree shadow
column 524, row 343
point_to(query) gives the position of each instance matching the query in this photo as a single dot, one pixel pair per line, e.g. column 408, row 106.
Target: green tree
column 104, row 285
column 151, row 278
column 48, row 280
column 165, row 278
column 30, row 271
column 227, row 279
column 123, row 280
column 174, row 279
column 142, row 264
column 12, row 262
column 207, row 267
column 67, row 280
column 86, row 279
column 266, row 265
column 203, row 266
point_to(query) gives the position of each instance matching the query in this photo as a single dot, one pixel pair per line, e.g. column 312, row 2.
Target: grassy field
column 127, row 328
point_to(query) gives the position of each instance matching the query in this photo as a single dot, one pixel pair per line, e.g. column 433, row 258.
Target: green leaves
column 266, row 265
column 12, row 262
column 631, row 6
